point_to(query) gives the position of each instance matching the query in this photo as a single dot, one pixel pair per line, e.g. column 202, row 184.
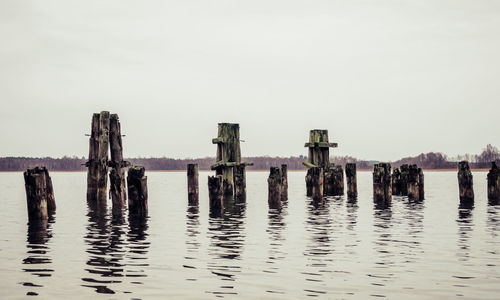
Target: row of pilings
column 323, row 178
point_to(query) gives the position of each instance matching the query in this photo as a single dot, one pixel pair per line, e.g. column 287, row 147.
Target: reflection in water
column 411, row 244
column 227, row 240
column 39, row 260
column 350, row 225
column 318, row 249
column 192, row 243
column 465, row 227
column 111, row 247
column 493, row 221
column 382, row 218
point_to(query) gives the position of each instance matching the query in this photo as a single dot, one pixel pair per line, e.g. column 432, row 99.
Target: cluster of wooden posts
column 229, row 182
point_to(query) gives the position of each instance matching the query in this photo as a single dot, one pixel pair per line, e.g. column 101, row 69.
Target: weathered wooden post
column 403, row 182
column 97, row 176
column 494, row 183
column 39, row 193
column 117, row 188
column 137, row 190
column 338, row 180
column 382, row 184
column 284, row 182
column 317, row 178
column 192, row 184
column 352, row 185
column 465, row 183
column 216, row 193
column 413, row 183
column 274, row 183
column 240, row 185
column 318, row 157
column 309, row 183
column 421, row 184
column 229, row 156
column 396, row 182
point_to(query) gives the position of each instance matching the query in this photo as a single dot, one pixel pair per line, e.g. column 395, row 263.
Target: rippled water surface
column 340, row 249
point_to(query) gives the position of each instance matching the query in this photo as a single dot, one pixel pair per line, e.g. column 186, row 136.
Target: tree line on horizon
column 431, row 160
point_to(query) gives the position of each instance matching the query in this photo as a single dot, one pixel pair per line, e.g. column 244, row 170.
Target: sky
column 388, row 79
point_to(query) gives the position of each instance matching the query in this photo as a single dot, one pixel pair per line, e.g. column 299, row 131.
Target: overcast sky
column 387, row 78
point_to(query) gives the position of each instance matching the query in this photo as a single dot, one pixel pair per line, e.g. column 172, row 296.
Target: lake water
column 340, row 250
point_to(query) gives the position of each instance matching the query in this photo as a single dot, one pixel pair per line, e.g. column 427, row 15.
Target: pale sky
column 388, row 79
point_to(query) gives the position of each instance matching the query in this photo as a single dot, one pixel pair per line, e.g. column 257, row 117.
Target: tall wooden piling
column 317, row 178
column 137, row 190
column 39, row 193
column 413, row 183
column 192, row 184
column 352, row 185
column 97, row 176
column 240, row 185
column 382, row 183
column 117, row 187
column 421, row 184
column 274, row 183
column 396, row 182
column 319, row 157
column 284, row 182
column 465, row 183
column 216, row 193
column 403, row 182
column 494, row 184
column 228, row 156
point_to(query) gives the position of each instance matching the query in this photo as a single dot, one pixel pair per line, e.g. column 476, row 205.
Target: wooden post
column 421, row 184
column 382, row 184
column 413, row 183
column 352, row 185
column 228, row 155
column 309, row 183
column 338, row 180
column 274, row 184
column 317, row 183
column 117, row 188
column 240, row 185
column 318, row 157
column 403, row 182
column 284, row 182
column 137, row 190
column 494, row 184
column 334, row 181
column 396, row 182
column 465, row 183
column 97, row 176
column 192, row 184
column 216, row 193
column 39, row 193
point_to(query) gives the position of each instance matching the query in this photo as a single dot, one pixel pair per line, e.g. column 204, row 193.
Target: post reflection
column 192, row 242
column 350, row 224
column 465, row 227
column 382, row 218
column 113, row 249
column 493, row 220
column 38, row 261
column 226, row 235
column 411, row 246
column 319, row 247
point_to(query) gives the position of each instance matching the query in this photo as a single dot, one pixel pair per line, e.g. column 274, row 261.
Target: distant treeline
column 431, row 160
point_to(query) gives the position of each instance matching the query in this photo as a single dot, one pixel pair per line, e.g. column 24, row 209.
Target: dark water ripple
column 117, row 249
column 39, row 261
column 227, row 239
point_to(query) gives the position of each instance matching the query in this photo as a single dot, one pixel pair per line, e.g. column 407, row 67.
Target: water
column 339, row 250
